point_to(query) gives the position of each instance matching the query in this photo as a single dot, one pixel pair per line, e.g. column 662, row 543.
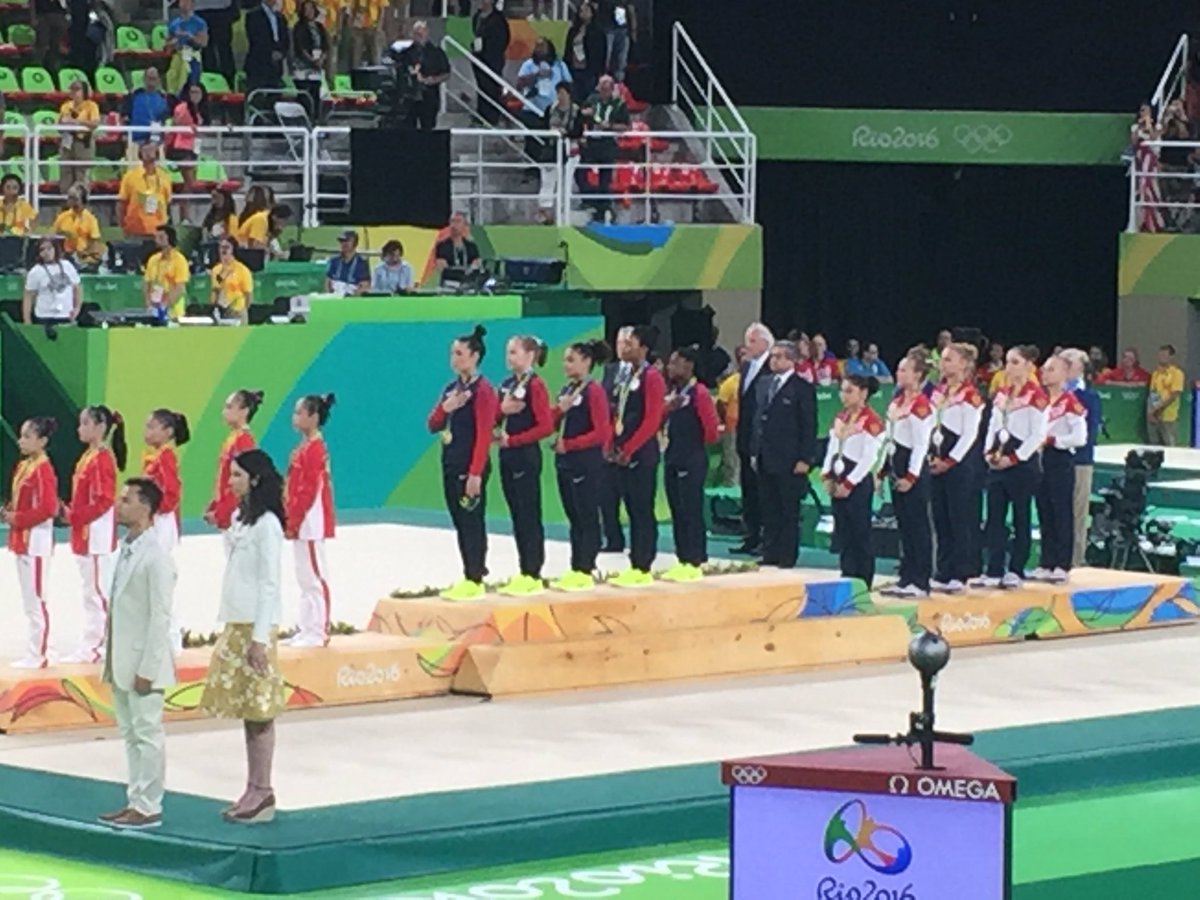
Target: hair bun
column 479, row 332
column 258, row 396
column 330, row 399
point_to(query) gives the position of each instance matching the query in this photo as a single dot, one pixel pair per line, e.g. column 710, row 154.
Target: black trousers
column 470, row 524
column 608, row 496
column 579, row 490
column 218, row 55
column 779, row 499
column 1013, row 487
column 685, row 494
column 423, row 113
column 955, row 499
column 639, row 481
column 852, row 532
column 1056, row 508
column 751, row 511
column 488, row 103
column 521, row 478
column 916, row 542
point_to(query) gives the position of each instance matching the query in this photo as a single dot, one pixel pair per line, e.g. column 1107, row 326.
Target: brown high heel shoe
column 264, row 812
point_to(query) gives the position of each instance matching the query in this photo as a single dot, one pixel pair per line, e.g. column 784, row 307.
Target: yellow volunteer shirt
column 166, row 270
column 148, row 198
column 87, row 112
column 17, row 218
column 228, row 228
column 255, row 228
column 234, row 283
column 729, row 395
column 79, row 229
column 1167, row 381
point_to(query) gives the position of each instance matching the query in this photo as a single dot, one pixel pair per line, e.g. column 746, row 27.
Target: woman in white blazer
column 244, row 681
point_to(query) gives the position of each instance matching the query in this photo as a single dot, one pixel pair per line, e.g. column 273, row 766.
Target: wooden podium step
column 359, row 668
column 643, row 657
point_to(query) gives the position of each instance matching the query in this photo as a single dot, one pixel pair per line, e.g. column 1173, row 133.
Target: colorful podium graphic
column 867, row 824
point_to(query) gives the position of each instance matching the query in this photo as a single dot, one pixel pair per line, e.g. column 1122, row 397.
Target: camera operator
column 430, row 68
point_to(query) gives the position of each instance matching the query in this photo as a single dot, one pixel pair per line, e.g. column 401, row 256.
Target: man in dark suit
column 754, row 373
column 269, row 44
column 491, row 44
column 784, row 445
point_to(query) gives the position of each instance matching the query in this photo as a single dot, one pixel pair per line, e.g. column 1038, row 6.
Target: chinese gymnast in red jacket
column 238, row 412
column 308, row 499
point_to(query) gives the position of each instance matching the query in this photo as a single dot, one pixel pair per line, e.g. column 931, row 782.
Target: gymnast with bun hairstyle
column 238, row 412
column 524, row 419
column 92, row 517
column 585, row 428
column 465, row 416
column 29, row 516
column 308, row 502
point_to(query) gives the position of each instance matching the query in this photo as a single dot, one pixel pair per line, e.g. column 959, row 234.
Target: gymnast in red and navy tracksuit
column 637, row 420
column 1066, row 431
column 466, row 415
column 690, row 426
column 525, row 419
column 583, row 412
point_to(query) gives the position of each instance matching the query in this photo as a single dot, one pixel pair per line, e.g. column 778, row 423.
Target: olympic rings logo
column 748, row 775
column 34, row 887
column 982, row 138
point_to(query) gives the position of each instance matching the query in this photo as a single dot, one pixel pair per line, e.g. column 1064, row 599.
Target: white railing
column 1164, row 199
column 1174, row 76
column 460, row 83
column 728, row 144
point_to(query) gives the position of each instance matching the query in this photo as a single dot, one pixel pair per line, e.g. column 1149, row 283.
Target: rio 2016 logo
column 852, row 832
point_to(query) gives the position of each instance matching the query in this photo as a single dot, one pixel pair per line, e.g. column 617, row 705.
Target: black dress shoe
column 747, row 549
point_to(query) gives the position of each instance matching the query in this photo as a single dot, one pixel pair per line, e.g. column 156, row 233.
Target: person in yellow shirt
column 221, row 219
column 729, row 393
column 78, row 225
column 232, row 282
column 1162, row 404
column 167, row 275
column 255, row 230
column 77, row 146
column 16, row 215
column 145, row 198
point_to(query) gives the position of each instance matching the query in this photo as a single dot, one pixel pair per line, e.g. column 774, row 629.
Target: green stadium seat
column 215, row 83
column 110, row 81
column 14, row 127
column 49, row 174
column 22, row 35
column 36, row 82
column 106, row 177
column 158, row 37
column 342, row 83
column 66, row 75
column 45, row 117
column 8, row 81
column 131, row 41
column 137, row 79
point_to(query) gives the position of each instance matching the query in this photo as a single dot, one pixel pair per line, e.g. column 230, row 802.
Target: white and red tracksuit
column 162, row 467
column 310, row 522
column 93, row 522
column 31, row 538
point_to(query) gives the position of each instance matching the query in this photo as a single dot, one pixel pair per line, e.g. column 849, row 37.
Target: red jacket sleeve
column 601, row 432
column 543, row 421
column 437, row 419
column 654, row 396
column 169, row 483
column 84, row 510
column 47, row 504
column 486, row 407
column 707, row 411
column 302, row 486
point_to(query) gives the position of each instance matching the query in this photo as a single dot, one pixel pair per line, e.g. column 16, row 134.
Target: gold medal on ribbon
column 447, row 437
column 619, row 429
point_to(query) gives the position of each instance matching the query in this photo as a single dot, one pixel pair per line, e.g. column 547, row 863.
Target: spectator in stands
column 80, row 229
column 995, row 364
column 853, row 352
column 348, row 273
column 541, row 74
column 191, row 112
column 869, row 365
column 144, row 200
column 219, row 16
column 944, row 339
column 221, row 219
column 394, row 275
column 457, row 251
column 393, row 20
column 78, row 110
column 261, row 230
column 1162, row 403
column 1175, row 164
column 618, row 18
column 49, row 21
column 53, row 292
column 585, row 51
column 1097, row 360
column 491, row 45
column 430, row 66
column 145, row 108
column 232, row 283
column 310, row 48
column 187, row 36
column 167, row 272
column 268, row 40
column 16, row 215
column 605, row 117
column 258, row 198
column 364, row 18
column 1129, row 371
column 820, row 349
column 563, row 116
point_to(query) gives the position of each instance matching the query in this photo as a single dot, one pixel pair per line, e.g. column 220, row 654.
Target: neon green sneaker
column 523, row 586
column 632, row 578
column 464, row 590
column 573, row 582
column 681, row 573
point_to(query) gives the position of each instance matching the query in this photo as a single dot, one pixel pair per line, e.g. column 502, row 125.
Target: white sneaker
column 1039, row 574
column 984, row 581
column 1011, row 581
column 895, row 589
column 912, row 592
column 301, row 640
column 29, row 662
column 79, row 658
column 1057, row 576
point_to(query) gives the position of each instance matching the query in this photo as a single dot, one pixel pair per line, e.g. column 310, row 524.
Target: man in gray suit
column 138, row 663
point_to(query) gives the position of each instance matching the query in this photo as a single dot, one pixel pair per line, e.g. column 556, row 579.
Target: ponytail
column 177, row 422
column 596, row 351
column 114, row 431
column 535, row 345
column 250, row 401
column 474, row 341
column 319, row 405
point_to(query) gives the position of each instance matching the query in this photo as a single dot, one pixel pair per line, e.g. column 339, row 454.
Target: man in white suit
column 139, row 663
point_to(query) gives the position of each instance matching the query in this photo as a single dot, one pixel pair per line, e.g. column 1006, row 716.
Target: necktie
column 776, row 384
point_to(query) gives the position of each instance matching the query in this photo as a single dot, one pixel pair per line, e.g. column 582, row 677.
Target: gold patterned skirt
column 233, row 690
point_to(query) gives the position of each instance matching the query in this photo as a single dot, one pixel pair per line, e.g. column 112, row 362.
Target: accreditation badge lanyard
column 150, row 194
column 459, row 386
column 684, row 397
column 624, row 388
column 574, row 391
